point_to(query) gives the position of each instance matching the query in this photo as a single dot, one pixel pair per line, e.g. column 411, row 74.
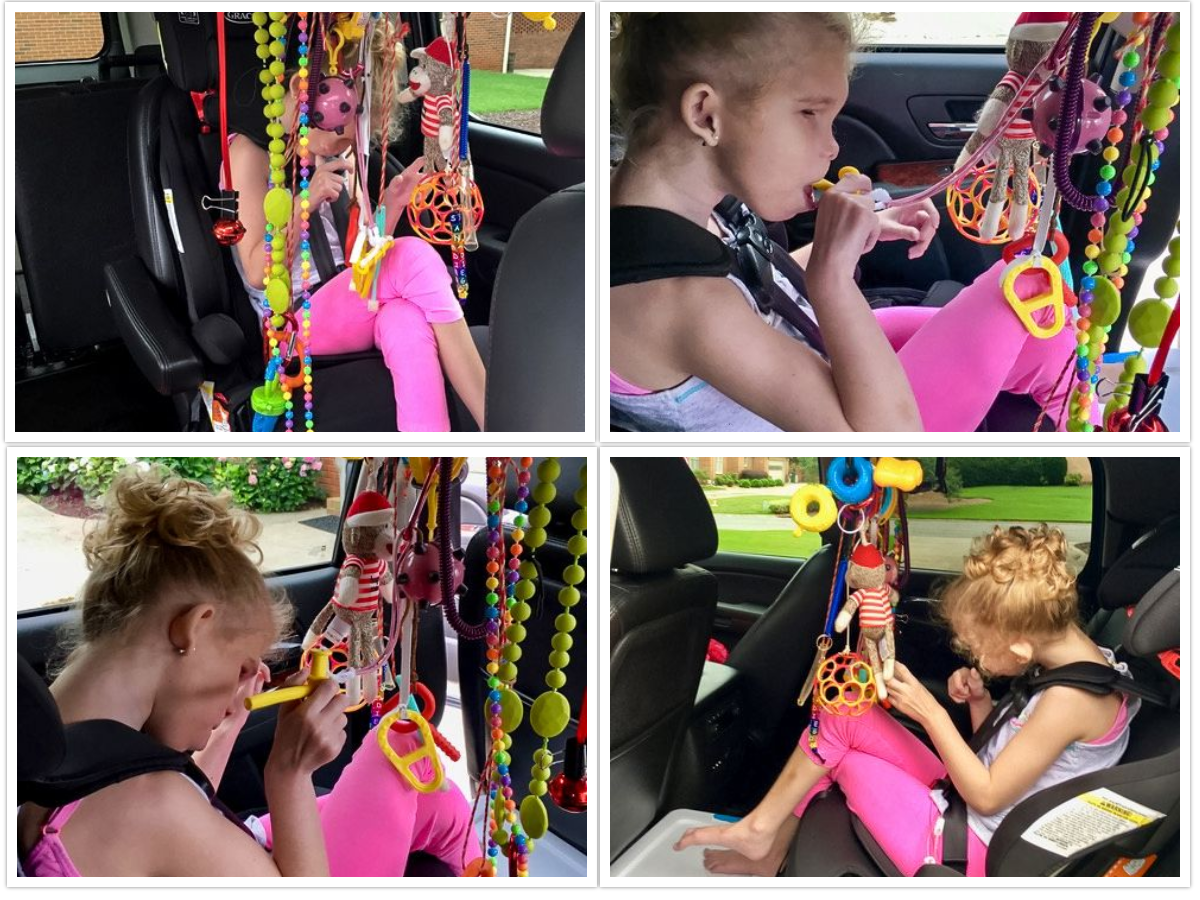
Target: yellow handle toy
column 825, row 184
column 1026, row 308
column 318, row 673
column 427, row 750
column 905, row 474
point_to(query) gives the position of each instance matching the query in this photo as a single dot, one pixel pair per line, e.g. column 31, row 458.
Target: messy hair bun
column 162, row 537
column 1015, row 581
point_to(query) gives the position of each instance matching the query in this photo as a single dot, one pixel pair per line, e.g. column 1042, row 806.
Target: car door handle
column 952, row 131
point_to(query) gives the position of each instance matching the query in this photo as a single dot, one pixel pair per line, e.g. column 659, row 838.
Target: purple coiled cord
column 446, row 561
column 1068, row 117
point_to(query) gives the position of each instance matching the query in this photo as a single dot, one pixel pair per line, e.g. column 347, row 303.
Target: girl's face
column 201, row 690
column 992, row 653
column 775, row 147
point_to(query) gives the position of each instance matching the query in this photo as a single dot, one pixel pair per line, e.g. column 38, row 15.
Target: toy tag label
column 1088, row 819
column 169, row 200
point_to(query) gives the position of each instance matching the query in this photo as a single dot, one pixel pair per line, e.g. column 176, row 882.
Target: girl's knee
column 418, row 274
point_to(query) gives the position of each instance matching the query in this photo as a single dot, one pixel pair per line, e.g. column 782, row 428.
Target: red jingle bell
column 228, row 232
column 568, row 789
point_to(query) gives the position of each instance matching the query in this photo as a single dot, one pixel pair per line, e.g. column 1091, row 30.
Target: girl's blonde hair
column 655, row 56
column 1015, row 581
column 162, row 536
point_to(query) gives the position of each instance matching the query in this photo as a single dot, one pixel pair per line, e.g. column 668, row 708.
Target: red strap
column 198, row 98
column 581, row 732
column 224, row 115
column 1164, row 346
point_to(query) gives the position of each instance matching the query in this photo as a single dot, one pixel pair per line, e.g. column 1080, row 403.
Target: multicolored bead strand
column 277, row 204
column 305, row 162
column 521, row 587
column 1099, row 295
column 1100, row 301
column 551, row 712
column 1147, row 323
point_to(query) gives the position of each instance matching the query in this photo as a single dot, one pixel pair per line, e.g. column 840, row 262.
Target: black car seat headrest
column 59, row 764
column 562, row 108
column 1140, row 567
column 664, row 520
column 1154, row 626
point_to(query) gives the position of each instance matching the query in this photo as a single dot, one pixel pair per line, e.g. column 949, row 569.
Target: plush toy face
column 430, row 76
column 865, row 577
column 369, row 541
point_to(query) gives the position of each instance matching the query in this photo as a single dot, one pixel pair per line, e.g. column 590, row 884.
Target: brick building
column 43, row 36
column 781, row 467
column 530, row 46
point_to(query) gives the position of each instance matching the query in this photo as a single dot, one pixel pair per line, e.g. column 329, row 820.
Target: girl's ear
column 1022, row 650
column 700, row 108
column 294, row 86
column 191, row 627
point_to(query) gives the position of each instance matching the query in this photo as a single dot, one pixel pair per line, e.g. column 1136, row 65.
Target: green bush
column 269, row 483
column 91, row 475
column 196, row 468
column 700, row 476
column 1073, row 479
column 979, row 471
column 779, row 509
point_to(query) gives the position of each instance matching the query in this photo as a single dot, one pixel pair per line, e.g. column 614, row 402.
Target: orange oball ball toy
column 432, row 202
column 845, row 685
column 967, row 201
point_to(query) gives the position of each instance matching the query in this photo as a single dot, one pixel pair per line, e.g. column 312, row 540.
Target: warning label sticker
column 1086, row 820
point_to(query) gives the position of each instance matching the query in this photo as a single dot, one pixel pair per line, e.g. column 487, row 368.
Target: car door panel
column 746, row 587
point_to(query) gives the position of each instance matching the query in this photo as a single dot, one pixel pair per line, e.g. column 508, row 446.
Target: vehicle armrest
column 936, row 870
column 157, row 342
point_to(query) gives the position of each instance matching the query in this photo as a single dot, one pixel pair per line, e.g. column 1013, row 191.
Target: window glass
column 57, row 36
column 919, row 27
column 298, row 500
column 749, row 497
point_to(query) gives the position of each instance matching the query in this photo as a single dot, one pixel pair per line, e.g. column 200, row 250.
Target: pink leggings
column 373, row 819
column 885, row 772
column 960, row 357
column 414, row 294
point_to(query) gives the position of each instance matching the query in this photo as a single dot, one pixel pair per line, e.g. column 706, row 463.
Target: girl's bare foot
column 730, row 862
column 741, row 836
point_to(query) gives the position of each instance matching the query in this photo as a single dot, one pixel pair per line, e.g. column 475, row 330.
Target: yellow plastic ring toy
column 1026, row 308
column 807, row 497
column 404, row 764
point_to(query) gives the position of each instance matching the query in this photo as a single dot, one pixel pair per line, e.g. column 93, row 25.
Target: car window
column 298, row 500
column 57, row 36
column 918, row 28
column 512, row 57
column 749, row 496
column 964, row 497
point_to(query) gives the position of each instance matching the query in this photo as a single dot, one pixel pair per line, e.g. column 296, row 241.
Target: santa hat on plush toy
column 369, row 509
column 866, row 556
column 1041, row 27
column 438, row 50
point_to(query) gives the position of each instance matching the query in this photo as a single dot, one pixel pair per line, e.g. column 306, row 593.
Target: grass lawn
column 747, row 504
column 1019, row 504
column 496, row 92
column 769, row 543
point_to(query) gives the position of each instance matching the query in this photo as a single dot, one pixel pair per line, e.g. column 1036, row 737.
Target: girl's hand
column 328, row 180
column 911, row 697
column 847, row 227
column 915, row 222
column 966, row 686
column 400, row 189
column 310, row 732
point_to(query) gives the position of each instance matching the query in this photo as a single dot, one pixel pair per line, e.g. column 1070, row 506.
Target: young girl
column 175, row 622
column 1014, row 607
column 744, row 104
column 419, row 326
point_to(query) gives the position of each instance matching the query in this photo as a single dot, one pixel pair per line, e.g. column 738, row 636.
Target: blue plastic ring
column 855, row 491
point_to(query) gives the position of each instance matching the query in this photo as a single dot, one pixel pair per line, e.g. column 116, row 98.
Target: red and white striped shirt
column 432, row 110
column 874, row 606
column 1019, row 129
column 368, row 584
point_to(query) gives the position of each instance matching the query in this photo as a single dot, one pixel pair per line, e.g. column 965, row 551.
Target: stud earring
column 182, row 651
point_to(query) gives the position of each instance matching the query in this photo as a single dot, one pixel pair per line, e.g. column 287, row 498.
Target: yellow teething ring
column 1026, row 308
column 806, row 496
column 427, row 750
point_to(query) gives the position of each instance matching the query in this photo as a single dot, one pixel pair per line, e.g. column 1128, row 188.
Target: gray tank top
column 1077, row 759
column 694, row 404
